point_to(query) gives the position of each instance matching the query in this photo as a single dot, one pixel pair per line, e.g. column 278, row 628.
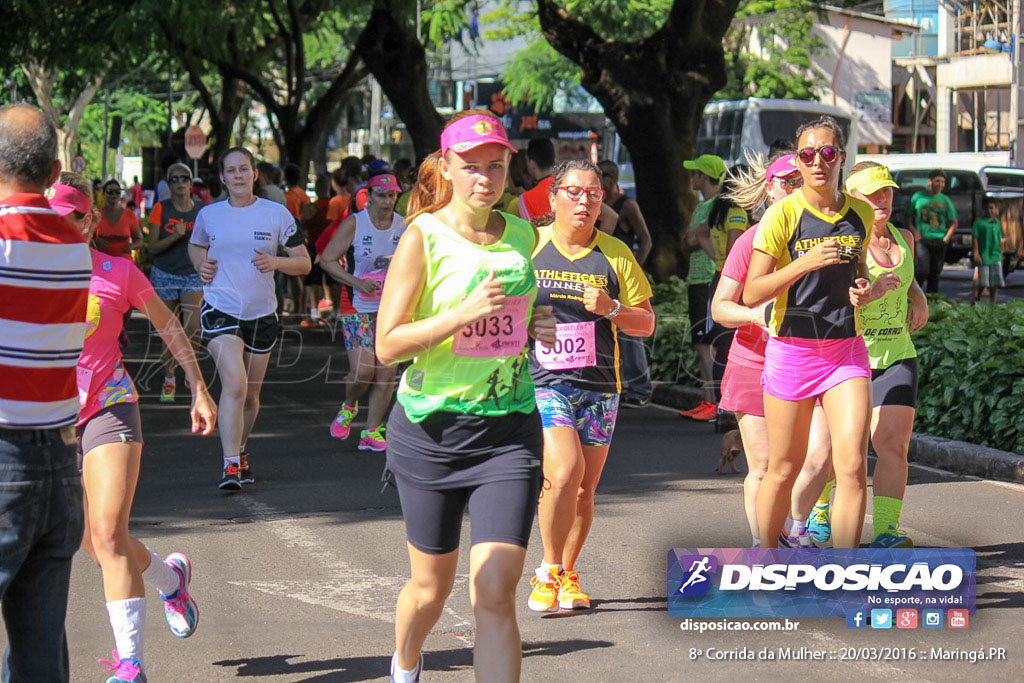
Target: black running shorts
column 895, row 385
column 258, row 335
column 451, row 461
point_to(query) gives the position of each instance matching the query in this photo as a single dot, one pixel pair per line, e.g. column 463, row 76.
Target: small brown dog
column 732, row 446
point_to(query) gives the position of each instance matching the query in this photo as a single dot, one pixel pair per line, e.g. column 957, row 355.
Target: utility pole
column 106, row 119
column 1016, row 139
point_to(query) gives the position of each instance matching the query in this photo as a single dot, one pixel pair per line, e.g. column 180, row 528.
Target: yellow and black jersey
column 606, row 263
column 817, row 306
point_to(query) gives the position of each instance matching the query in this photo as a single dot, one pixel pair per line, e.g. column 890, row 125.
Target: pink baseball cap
column 64, row 199
column 473, row 131
column 781, row 167
column 384, row 182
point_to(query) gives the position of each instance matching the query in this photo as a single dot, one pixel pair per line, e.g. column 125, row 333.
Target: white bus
column 731, row 127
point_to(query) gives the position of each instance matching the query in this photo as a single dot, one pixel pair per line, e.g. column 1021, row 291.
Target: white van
column 731, row 127
column 970, row 177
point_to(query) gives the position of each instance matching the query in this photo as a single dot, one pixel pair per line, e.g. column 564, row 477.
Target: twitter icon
column 881, row 618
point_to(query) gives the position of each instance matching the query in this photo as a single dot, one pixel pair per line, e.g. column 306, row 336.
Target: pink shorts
column 741, row 389
column 795, row 369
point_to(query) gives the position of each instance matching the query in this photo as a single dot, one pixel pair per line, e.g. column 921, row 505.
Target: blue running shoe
column 394, row 665
column 127, row 670
column 819, row 526
column 892, row 538
column 179, row 608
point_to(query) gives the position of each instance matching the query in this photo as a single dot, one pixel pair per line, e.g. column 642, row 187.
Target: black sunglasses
column 179, row 179
column 112, row 190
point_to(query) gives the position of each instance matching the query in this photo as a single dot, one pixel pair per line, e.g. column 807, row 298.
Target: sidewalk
column 958, row 457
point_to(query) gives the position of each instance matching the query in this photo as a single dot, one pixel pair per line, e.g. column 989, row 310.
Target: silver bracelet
column 615, row 311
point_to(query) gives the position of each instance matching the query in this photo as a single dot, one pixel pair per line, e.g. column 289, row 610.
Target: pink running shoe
column 128, row 670
column 373, row 439
column 179, row 608
column 340, row 424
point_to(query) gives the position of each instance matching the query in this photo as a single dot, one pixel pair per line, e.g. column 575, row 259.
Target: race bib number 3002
column 501, row 334
column 574, row 347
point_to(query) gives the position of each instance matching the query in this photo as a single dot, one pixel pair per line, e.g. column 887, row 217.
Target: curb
column 958, row 457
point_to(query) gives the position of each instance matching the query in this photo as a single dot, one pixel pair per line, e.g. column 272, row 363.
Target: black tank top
column 628, row 237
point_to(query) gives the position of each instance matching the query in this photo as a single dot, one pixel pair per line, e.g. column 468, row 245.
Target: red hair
column 432, row 191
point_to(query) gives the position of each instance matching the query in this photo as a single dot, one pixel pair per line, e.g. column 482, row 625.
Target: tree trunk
column 42, row 80
column 232, row 99
column 654, row 91
column 392, row 53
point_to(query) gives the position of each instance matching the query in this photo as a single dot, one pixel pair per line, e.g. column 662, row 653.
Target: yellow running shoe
column 569, row 594
column 544, row 597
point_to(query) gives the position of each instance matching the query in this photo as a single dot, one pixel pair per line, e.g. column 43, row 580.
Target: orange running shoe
column 544, row 597
column 569, row 594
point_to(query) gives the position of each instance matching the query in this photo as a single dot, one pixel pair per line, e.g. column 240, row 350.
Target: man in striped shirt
column 44, row 286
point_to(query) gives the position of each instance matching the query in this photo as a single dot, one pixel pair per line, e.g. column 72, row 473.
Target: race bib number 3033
column 501, row 334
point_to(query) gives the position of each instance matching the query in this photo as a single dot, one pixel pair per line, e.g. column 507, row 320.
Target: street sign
column 195, row 142
column 78, row 164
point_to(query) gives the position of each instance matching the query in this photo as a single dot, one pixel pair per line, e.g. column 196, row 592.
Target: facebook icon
column 856, row 618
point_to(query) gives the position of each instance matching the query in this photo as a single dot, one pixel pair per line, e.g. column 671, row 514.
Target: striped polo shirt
column 45, row 269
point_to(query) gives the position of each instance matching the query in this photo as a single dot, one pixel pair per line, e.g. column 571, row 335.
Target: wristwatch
column 615, row 311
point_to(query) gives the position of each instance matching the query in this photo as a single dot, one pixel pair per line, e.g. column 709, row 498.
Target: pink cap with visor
column 384, row 182
column 64, row 199
column 781, row 167
column 473, row 131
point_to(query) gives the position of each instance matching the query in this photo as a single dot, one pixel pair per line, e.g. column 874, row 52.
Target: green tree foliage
column 294, row 56
column 65, row 49
column 537, row 73
column 783, row 66
column 144, row 122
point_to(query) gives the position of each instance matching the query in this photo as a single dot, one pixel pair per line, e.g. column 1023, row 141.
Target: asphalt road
column 956, row 283
column 296, row 576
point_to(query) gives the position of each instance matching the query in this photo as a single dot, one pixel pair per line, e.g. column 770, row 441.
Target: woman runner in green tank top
column 887, row 323
column 465, row 432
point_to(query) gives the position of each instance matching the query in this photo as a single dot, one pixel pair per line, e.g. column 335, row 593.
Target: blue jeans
column 41, row 523
column 633, row 368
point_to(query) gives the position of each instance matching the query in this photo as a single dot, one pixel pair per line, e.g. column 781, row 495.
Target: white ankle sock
column 787, row 528
column 797, row 528
column 161, row 576
column 400, row 675
column 236, row 461
column 542, row 570
column 126, row 620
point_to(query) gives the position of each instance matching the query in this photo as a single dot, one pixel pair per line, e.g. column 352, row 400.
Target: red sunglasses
column 828, row 154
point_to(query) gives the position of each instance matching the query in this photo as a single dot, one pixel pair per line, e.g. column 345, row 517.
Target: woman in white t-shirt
column 367, row 240
column 233, row 248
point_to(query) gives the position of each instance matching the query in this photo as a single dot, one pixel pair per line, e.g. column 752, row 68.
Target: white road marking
column 352, row 590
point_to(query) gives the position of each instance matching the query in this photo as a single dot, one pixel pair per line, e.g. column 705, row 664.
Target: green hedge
column 971, row 365
column 970, row 360
column 669, row 351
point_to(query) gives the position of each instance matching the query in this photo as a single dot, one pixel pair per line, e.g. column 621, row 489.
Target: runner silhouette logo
column 697, row 578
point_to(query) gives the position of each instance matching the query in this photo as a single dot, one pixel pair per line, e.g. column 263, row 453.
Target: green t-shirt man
column 932, row 214
column 988, row 232
column 702, row 266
